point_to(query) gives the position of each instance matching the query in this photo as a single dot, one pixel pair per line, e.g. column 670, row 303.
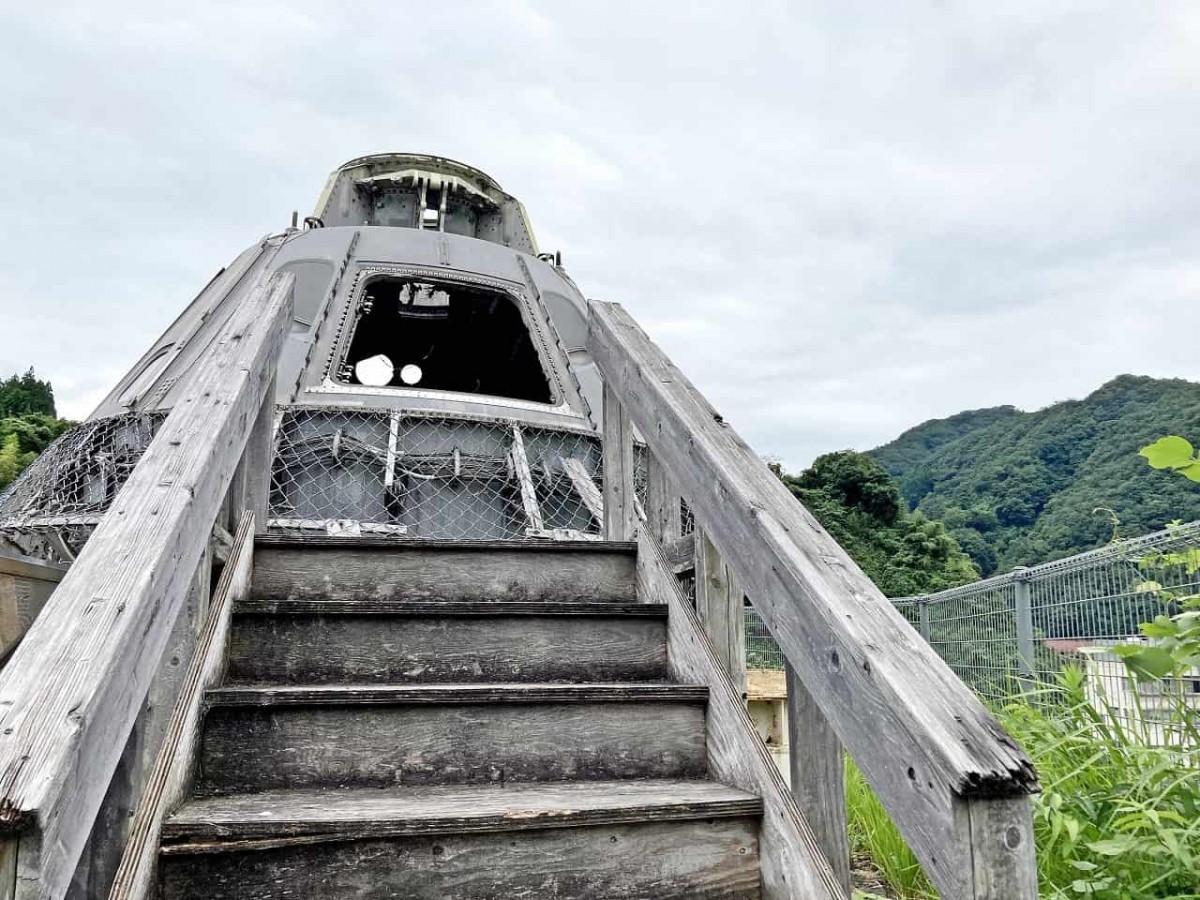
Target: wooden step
column 396, row 641
column 337, row 568
column 259, row 738
column 713, row 858
column 275, row 816
column 664, row 839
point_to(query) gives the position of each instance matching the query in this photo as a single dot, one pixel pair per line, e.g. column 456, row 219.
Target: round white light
column 411, row 374
column 374, row 371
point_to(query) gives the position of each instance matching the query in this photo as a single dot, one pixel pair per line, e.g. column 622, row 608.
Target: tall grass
column 1118, row 818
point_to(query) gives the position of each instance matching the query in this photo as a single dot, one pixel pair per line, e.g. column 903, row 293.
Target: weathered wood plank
column 259, row 456
column 620, row 519
column 174, row 766
column 693, row 860
column 585, row 488
column 680, row 554
column 529, row 502
column 1004, row 859
column 73, row 689
column 8, row 869
column 435, row 694
column 358, row 813
column 402, row 647
column 25, row 586
column 662, row 503
column 361, row 570
column 253, row 748
column 919, row 735
column 720, row 605
column 793, row 867
column 818, row 777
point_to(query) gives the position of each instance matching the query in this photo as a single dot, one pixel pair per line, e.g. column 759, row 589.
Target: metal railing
column 1016, row 631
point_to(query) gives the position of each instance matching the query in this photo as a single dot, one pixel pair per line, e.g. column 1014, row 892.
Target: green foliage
column 1018, row 488
column 1173, row 453
column 27, row 423
column 860, row 505
column 873, row 834
column 1118, row 818
column 22, row 395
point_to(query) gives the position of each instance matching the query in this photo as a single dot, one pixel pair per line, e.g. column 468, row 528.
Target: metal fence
column 1014, row 632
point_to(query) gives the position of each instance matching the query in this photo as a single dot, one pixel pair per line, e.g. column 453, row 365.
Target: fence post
column 1023, row 609
column 923, row 617
column 619, row 511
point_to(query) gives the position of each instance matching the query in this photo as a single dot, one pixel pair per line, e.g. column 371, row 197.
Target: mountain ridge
column 1019, row 488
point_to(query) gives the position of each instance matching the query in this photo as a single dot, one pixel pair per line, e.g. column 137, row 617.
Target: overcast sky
column 840, row 218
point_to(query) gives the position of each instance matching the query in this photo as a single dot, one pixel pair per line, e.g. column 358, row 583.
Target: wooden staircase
column 355, row 717
column 504, row 728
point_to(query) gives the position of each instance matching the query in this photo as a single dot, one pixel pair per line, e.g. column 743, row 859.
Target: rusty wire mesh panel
column 52, row 507
column 424, row 475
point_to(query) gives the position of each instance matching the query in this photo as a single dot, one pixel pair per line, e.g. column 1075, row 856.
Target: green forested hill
column 1018, row 488
column 860, row 506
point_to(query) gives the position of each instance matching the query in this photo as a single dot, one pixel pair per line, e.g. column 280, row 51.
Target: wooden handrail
column 71, row 693
column 953, row 781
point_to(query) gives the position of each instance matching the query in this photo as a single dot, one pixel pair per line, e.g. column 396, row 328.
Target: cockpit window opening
column 421, row 334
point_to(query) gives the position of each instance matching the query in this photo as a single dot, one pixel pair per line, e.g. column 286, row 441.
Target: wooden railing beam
column 923, row 740
column 73, row 689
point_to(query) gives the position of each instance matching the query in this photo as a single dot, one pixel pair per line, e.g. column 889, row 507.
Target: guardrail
column 71, row 694
column 859, row 675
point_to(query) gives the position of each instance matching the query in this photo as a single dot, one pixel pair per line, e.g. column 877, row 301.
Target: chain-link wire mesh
column 1016, row 631
column 432, row 476
column 52, row 508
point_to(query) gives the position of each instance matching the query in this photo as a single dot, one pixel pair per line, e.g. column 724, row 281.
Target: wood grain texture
column 694, row 860
column 25, row 586
column 72, row 691
column 391, row 570
column 404, row 647
column 172, row 774
column 217, row 823
column 1003, row 854
column 818, row 777
column 255, row 748
column 793, row 865
column 920, row 736
column 719, row 604
column 620, row 521
column 663, row 510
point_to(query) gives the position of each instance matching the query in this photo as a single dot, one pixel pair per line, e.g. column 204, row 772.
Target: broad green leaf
column 1168, row 453
column 1161, row 627
column 1147, row 587
column 1151, row 663
column 1191, row 473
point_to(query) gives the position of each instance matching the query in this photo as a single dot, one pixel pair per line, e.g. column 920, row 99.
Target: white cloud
column 840, row 218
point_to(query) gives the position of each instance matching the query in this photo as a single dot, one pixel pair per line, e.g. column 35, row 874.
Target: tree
column 860, row 505
column 22, row 395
